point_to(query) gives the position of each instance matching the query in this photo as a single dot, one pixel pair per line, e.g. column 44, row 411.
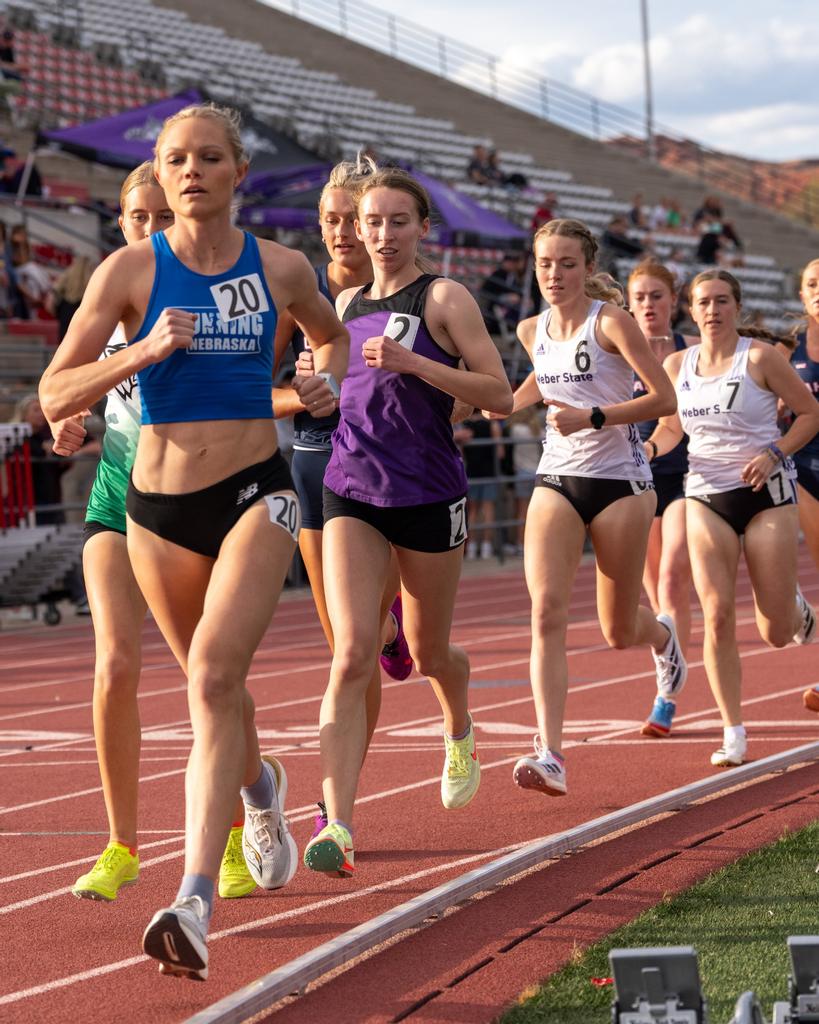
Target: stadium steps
column 480, row 116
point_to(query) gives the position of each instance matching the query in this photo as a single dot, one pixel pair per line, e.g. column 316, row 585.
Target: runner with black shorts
column 593, row 479
column 739, row 489
column 395, row 480
column 652, row 296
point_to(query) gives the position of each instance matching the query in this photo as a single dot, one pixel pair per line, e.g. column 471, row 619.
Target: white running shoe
column 731, row 754
column 672, row 669
column 807, row 630
column 176, row 937
column 544, row 772
column 270, row 851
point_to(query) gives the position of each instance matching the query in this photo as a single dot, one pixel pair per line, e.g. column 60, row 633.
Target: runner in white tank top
column 729, row 419
column 593, row 477
column 739, row 487
column 579, row 372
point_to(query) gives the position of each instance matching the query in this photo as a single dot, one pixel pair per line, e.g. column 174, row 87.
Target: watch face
column 598, row 418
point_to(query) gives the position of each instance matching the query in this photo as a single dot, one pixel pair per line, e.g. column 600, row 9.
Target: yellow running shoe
column 234, row 878
column 462, row 770
column 116, row 867
column 331, row 851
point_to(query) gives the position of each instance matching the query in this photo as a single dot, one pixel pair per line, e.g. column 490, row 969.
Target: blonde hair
column 803, row 320
column 347, row 175
column 228, row 118
column 652, row 268
column 597, row 286
column 71, row 284
column 139, row 176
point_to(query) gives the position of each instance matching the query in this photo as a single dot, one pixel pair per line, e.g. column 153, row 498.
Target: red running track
column 65, row 959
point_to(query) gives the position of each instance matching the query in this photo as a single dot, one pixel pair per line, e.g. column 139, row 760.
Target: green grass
column 737, row 919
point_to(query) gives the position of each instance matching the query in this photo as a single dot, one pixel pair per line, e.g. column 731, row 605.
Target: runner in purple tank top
column 395, row 478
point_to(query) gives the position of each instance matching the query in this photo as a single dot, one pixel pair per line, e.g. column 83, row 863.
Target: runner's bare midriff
column 177, row 458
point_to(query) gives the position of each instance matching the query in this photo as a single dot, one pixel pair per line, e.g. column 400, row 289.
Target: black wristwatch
column 597, row 418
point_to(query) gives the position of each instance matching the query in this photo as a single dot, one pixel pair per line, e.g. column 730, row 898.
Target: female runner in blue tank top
column 739, row 491
column 593, row 479
column 212, row 516
column 349, row 267
column 805, row 360
column 652, row 296
column 395, row 479
column 117, row 605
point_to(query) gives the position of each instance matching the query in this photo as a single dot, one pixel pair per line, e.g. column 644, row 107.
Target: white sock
column 732, row 733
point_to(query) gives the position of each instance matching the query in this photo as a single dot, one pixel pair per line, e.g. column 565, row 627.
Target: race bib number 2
column 241, row 296
column 402, row 327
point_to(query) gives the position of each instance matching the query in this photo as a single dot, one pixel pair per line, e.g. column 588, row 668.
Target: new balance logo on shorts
column 246, row 493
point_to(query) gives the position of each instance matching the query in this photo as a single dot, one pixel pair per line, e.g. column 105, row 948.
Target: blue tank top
column 393, row 446
column 676, row 461
column 313, row 433
column 808, row 370
column 226, row 374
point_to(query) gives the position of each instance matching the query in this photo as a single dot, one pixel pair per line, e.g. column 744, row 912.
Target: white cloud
column 778, row 131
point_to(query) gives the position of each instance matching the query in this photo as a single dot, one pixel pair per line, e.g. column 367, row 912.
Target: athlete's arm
column 623, row 335
column 771, row 371
column 669, row 432
column 286, row 401
column 527, row 393
column 76, row 378
column 454, row 319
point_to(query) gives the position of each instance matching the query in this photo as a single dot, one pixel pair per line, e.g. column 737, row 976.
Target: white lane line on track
column 82, row 860
column 303, row 813
column 72, row 979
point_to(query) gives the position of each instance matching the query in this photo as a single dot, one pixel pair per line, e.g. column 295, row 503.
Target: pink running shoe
column 395, row 656
column 321, row 820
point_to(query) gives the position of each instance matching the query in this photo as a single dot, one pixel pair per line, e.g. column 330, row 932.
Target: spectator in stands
column 479, row 170
column 636, row 217
column 482, row 460
column 616, row 244
column 516, row 180
column 674, row 221
column 31, row 279
column 545, row 212
column 9, row 68
column 66, row 294
column 710, row 218
column 46, row 468
column 13, row 174
column 657, row 219
column 501, row 294
column 710, row 245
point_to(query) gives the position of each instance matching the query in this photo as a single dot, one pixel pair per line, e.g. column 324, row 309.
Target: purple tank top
column 393, row 446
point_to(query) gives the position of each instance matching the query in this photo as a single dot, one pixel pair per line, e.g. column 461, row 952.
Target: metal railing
column 561, row 104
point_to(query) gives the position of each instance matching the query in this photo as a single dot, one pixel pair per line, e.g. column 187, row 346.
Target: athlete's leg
column 555, row 535
column 674, row 577
column 620, row 535
column 118, row 611
column 809, row 521
column 310, row 546
column 714, row 548
column 651, row 570
column 429, row 585
column 356, row 560
column 771, row 540
column 240, row 588
column 310, row 542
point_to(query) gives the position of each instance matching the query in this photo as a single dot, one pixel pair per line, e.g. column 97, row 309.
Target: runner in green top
column 117, row 606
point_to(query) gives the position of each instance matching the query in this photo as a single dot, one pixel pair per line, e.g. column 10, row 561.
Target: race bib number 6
column 241, row 296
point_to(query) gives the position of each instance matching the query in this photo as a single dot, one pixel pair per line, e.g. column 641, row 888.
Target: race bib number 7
column 241, row 296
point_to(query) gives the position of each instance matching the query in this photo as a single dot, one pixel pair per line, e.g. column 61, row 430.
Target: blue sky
column 740, row 75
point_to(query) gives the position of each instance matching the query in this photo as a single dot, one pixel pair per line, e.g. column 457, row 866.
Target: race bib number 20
column 241, row 296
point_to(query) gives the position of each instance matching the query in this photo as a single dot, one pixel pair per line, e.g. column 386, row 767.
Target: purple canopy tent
column 289, row 199
column 127, row 139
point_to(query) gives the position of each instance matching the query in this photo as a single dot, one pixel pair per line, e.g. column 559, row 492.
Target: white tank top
column 581, row 373
column 729, row 419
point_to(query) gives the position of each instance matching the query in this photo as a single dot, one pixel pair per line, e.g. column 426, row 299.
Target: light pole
column 650, row 142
